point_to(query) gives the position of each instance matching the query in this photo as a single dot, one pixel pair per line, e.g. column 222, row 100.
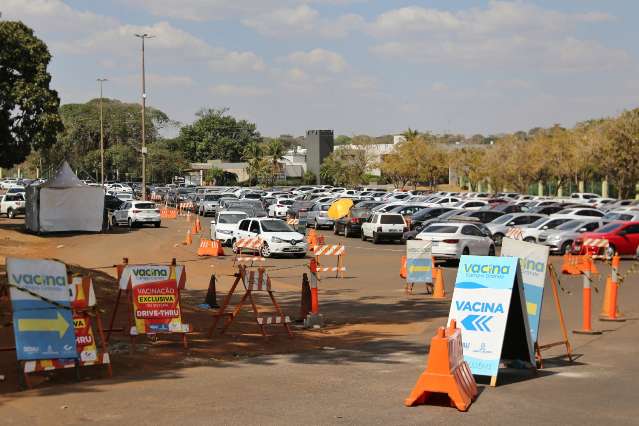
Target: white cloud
column 232, row 90
column 282, row 21
column 319, row 59
column 236, row 62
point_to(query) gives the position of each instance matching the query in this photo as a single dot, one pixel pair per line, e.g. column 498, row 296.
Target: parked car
column 530, row 232
column 299, row 206
column 483, row 216
column 418, row 218
column 547, row 209
column 137, row 213
column 317, row 216
column 560, row 239
column 579, row 213
column 384, row 226
column 209, row 204
column 506, row 208
column 452, row 240
column 224, row 225
column 112, row 203
column 623, row 238
column 124, row 196
column 471, row 204
column 248, row 205
column 351, row 225
column 12, row 205
column 624, row 215
column 501, row 225
column 16, row 189
column 277, row 236
column 280, row 207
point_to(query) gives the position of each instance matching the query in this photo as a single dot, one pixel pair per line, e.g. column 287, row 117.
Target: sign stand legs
column 562, row 324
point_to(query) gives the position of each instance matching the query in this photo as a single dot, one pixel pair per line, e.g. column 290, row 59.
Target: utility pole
column 143, row 36
column 100, row 81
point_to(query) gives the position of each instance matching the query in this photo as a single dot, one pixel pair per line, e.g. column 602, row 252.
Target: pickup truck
column 12, row 205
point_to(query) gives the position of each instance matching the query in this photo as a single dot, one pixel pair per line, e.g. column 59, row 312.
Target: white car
column 276, row 235
column 471, row 204
column 280, row 207
column 12, row 204
column 118, row 187
column 443, row 202
column 225, row 224
column 451, row 240
column 579, row 213
column 137, row 213
column 124, row 196
column 384, row 226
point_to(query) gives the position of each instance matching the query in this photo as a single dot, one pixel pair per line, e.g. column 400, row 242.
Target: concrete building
column 196, row 172
column 376, row 151
column 319, row 145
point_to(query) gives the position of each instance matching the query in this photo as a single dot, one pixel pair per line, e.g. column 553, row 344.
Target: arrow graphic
column 477, row 322
column 58, row 324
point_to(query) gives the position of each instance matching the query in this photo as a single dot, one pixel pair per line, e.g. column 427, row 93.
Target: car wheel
column 265, row 251
column 375, row 238
column 316, row 226
column 130, row 223
column 347, row 233
column 498, row 238
column 336, row 231
column 465, row 251
column 565, row 247
column 610, row 251
column 529, row 239
column 362, row 236
column 491, row 250
column 157, row 225
column 10, row 213
column 299, row 255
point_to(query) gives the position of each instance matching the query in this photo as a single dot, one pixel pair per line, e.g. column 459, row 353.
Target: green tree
column 216, row 135
column 253, row 156
column 29, row 117
column 274, row 151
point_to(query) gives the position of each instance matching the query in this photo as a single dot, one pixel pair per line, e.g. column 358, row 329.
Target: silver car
column 209, row 204
column 560, row 239
column 451, row 240
column 317, row 216
column 502, row 224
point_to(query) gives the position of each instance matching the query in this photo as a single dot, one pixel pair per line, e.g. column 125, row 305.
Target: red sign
column 156, row 307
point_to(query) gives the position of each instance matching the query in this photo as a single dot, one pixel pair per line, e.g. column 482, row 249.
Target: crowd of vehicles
column 457, row 223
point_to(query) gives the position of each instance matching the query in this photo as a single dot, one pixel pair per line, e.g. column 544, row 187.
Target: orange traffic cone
column 198, row 225
column 446, row 371
column 189, row 239
column 610, row 309
column 194, row 229
column 403, row 273
column 438, row 278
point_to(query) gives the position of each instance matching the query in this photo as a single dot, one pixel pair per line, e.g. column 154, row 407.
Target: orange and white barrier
column 210, row 248
column 337, row 250
column 446, row 371
column 515, row 233
column 610, row 310
column 168, row 213
column 293, row 221
column 594, row 247
column 252, row 244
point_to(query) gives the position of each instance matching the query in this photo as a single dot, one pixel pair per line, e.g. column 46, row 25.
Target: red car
column 622, row 237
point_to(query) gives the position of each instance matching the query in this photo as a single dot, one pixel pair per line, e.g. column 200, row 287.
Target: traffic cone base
column 446, row 372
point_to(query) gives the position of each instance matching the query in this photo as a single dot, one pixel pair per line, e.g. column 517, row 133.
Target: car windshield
column 275, row 225
column 231, row 217
column 286, row 202
column 503, row 219
column 253, row 196
column 212, row 197
column 538, row 222
column 391, row 219
column 571, row 225
column 441, row 229
column 609, row 228
column 144, row 206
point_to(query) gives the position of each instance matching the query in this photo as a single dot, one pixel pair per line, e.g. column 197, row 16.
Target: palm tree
column 410, row 134
column 275, row 151
column 253, row 155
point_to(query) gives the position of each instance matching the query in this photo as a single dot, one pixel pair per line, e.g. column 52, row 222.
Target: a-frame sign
column 489, row 306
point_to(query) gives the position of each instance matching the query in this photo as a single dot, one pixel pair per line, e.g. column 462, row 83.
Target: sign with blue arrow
column 488, row 305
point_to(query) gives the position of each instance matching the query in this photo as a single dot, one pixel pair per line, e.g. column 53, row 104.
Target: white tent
column 64, row 203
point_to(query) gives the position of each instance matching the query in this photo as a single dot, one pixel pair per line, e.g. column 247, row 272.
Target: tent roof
column 64, row 178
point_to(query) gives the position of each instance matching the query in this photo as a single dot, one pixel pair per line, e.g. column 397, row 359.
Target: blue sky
column 355, row 66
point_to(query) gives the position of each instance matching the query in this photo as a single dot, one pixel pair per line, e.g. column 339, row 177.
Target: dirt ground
column 95, row 255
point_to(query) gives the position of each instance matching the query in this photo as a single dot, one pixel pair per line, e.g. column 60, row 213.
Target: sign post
column 488, row 303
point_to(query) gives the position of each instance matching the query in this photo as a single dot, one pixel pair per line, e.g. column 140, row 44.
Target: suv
column 224, row 225
column 384, row 226
column 352, row 223
column 12, row 205
column 134, row 213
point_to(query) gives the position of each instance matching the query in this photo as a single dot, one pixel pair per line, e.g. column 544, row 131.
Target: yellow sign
column 157, row 298
column 532, row 308
column 58, row 324
column 415, row 268
column 79, row 323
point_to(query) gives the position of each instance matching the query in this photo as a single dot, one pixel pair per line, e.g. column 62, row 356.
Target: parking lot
column 357, row 369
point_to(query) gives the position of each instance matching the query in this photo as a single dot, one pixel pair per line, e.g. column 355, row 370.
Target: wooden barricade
column 336, row 250
column 254, row 281
column 248, row 250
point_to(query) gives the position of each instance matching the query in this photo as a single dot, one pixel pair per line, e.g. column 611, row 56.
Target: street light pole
column 143, row 36
column 100, row 81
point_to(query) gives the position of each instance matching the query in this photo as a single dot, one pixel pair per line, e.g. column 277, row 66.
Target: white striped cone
column 273, row 320
column 293, row 221
column 596, row 242
column 329, row 250
column 250, row 259
column 515, row 233
column 250, row 243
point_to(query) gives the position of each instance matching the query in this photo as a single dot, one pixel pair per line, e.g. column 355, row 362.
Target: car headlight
column 277, row 240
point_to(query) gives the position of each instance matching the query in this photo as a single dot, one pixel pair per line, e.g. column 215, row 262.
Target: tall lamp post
column 142, row 37
column 100, row 81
